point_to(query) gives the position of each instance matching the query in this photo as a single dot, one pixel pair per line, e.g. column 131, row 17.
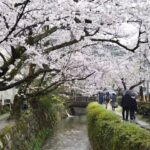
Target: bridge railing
column 83, row 99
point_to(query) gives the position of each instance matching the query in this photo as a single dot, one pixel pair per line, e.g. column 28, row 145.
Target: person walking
column 125, row 103
column 100, row 97
column 107, row 99
column 113, row 101
column 133, row 107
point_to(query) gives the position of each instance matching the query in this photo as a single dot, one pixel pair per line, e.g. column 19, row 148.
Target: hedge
column 4, row 109
column 143, row 108
column 119, row 98
column 107, row 132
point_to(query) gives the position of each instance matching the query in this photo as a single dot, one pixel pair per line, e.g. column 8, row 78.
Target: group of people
column 105, row 98
column 129, row 105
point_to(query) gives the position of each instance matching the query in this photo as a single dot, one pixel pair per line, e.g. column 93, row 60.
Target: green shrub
column 37, row 143
column 119, row 98
column 4, row 109
column 143, row 108
column 107, row 132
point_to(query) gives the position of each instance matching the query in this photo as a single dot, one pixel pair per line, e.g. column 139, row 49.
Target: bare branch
column 28, row 27
column 26, row 79
column 7, row 5
column 6, row 23
column 116, row 41
column 135, row 85
column 4, row 59
column 124, row 84
column 20, row 15
column 55, row 85
column 33, row 40
column 62, row 45
column 71, row 42
column 146, row 59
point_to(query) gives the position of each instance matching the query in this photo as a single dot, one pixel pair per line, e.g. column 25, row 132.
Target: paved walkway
column 141, row 123
column 4, row 121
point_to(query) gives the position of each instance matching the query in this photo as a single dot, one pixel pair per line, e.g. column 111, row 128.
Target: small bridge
column 81, row 101
column 78, row 104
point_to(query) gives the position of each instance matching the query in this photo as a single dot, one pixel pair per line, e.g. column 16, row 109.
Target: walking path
column 141, row 123
column 4, row 121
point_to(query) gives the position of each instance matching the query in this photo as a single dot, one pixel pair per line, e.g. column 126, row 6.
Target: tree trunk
column 16, row 107
column 141, row 94
column 124, row 84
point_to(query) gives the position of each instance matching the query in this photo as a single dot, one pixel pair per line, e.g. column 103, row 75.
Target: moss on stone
column 31, row 129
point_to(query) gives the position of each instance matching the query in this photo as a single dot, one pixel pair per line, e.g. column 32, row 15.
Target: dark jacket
column 125, row 103
column 133, row 104
column 101, row 98
column 113, row 97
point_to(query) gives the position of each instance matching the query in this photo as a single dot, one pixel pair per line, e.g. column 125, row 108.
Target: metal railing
column 5, row 102
column 83, row 99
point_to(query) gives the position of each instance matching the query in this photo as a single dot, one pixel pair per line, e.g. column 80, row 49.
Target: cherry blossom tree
column 52, row 41
column 29, row 50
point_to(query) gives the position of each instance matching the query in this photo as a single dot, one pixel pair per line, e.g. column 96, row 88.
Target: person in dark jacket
column 133, row 107
column 125, row 103
column 100, row 97
column 113, row 101
column 107, row 99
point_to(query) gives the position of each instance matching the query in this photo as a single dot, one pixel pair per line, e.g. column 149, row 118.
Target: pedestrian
column 133, row 107
column 107, row 99
column 125, row 103
column 101, row 97
column 113, row 101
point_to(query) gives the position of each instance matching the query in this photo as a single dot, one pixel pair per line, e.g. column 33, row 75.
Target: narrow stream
column 71, row 134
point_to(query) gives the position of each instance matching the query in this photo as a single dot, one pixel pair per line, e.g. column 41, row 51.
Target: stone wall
column 29, row 132
column 34, row 125
column 16, row 137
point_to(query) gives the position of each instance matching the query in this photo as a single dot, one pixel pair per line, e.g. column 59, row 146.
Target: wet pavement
column 139, row 122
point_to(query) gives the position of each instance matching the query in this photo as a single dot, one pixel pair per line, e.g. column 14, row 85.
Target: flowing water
column 71, row 134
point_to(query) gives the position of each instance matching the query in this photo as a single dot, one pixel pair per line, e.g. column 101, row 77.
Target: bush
column 119, row 98
column 143, row 108
column 48, row 109
column 37, row 143
column 4, row 109
column 107, row 132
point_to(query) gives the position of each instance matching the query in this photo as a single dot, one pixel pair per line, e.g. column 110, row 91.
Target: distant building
column 8, row 94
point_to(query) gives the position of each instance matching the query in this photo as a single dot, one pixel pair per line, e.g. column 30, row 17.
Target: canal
column 70, row 134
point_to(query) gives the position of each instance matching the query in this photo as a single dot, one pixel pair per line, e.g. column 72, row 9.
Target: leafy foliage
column 144, row 108
column 106, row 131
column 40, row 138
